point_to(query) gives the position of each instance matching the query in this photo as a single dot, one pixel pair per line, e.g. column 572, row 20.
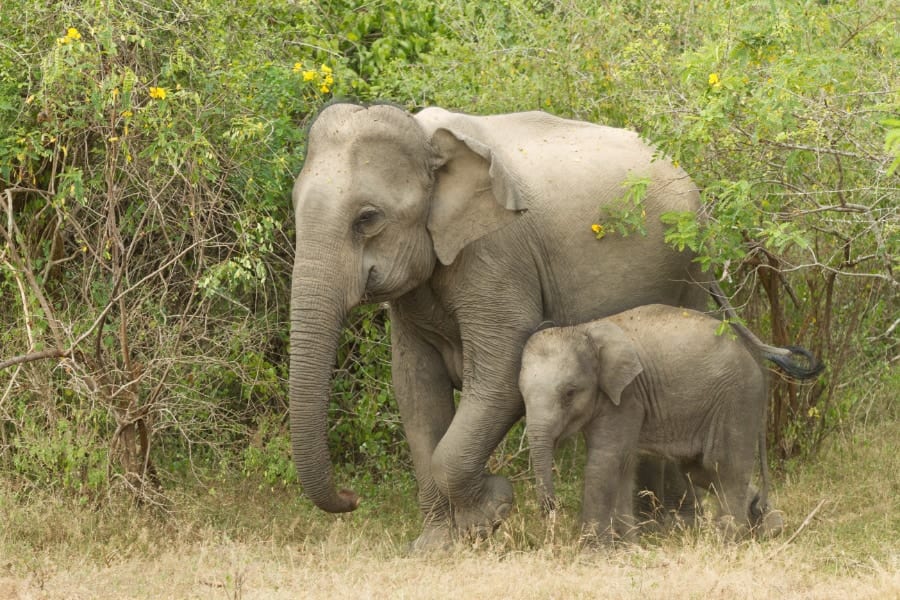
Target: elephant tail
column 795, row 361
column 798, row 362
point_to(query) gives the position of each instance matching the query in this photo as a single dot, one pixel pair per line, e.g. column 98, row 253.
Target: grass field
column 231, row 539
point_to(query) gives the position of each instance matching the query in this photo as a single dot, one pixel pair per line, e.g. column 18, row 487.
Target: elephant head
column 382, row 198
column 566, row 372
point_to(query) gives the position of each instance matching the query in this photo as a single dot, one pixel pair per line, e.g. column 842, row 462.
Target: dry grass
column 275, row 546
column 340, row 568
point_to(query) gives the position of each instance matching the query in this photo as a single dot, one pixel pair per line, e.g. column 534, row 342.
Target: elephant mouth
column 379, row 288
column 371, row 293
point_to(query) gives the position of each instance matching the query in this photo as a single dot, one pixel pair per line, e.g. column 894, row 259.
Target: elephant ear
column 617, row 358
column 475, row 193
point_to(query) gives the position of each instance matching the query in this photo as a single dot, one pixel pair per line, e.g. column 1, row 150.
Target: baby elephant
column 654, row 379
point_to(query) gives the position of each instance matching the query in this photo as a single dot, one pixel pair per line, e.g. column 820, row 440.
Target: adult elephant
column 474, row 230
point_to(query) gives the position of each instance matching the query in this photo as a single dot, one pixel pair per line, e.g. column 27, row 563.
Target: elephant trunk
column 542, row 461
column 317, row 315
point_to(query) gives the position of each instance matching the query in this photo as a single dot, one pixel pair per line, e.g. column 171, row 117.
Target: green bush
column 144, row 171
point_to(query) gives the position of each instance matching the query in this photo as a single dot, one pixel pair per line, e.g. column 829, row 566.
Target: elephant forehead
column 347, row 176
column 323, row 181
column 553, row 342
column 550, row 364
column 356, row 136
column 349, row 122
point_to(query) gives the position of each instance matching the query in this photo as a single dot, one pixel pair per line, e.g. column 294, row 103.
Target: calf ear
column 474, row 193
column 617, row 358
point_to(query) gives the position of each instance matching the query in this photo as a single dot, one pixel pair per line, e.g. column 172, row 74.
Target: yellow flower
column 309, row 75
column 158, row 93
column 598, row 230
column 72, row 35
column 127, row 113
column 714, row 80
column 324, row 88
column 325, row 69
column 298, row 67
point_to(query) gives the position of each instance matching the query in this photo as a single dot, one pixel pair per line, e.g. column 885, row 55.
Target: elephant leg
column 679, row 495
column 607, row 508
column 734, row 501
column 757, row 510
column 650, row 486
column 424, row 394
column 480, row 501
column 729, row 482
column 599, row 518
column 494, row 321
column 663, row 489
column 767, row 522
column 731, row 461
column 626, row 525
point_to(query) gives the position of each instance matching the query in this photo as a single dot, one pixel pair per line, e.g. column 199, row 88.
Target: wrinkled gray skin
column 654, row 379
column 474, row 230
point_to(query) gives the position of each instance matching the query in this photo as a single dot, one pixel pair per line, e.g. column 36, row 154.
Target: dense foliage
column 146, row 159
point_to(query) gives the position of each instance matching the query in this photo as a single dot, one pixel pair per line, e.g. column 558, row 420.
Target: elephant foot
column 767, row 522
column 594, row 538
column 436, row 538
column 592, row 541
column 683, row 511
column 770, row 525
column 687, row 512
column 627, row 532
column 480, row 520
column 732, row 529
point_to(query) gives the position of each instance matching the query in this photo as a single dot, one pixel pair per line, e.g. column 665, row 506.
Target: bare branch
column 33, row 356
column 887, row 334
column 24, row 264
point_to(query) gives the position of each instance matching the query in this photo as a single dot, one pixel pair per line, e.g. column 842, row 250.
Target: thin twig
column 803, row 525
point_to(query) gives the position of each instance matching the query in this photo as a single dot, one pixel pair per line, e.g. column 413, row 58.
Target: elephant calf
column 654, row 379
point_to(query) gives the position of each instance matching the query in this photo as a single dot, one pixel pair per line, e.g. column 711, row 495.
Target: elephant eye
column 367, row 221
column 568, row 396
